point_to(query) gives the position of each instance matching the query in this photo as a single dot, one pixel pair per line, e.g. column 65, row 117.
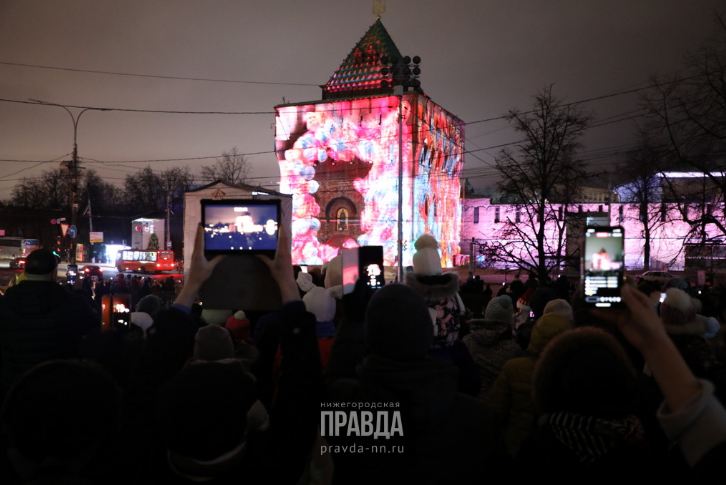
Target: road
column 109, row 271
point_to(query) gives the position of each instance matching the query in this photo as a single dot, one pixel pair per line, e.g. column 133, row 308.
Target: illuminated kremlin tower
column 339, row 158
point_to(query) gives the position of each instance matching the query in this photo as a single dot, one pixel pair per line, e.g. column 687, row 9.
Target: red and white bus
column 145, row 261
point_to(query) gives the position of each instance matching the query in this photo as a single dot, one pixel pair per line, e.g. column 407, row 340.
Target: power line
column 130, row 110
column 154, row 76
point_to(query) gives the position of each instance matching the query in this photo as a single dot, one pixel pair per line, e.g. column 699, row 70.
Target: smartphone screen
column 370, row 265
column 363, row 262
column 240, row 226
column 603, row 265
column 71, row 274
column 304, row 268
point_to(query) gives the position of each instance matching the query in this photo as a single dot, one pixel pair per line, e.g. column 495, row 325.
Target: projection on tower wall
column 339, row 161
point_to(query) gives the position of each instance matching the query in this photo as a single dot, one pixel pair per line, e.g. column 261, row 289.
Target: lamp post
column 72, row 166
column 403, row 75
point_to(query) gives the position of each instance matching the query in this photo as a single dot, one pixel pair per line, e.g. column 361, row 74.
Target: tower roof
column 360, row 72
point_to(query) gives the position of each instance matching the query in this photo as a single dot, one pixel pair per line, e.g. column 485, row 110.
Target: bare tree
column 642, row 185
column 141, row 192
column 147, row 191
column 104, row 197
column 689, row 113
column 232, row 168
column 541, row 177
column 49, row 191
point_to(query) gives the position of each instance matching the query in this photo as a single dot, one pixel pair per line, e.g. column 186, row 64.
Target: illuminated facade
column 339, row 159
column 671, row 240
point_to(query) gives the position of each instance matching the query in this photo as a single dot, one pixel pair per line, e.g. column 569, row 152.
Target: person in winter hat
column 239, row 325
column 511, row 394
column 561, row 307
column 678, row 312
column 439, row 290
column 320, row 302
column 491, row 342
column 439, row 424
column 585, row 393
column 214, row 344
column 441, row 293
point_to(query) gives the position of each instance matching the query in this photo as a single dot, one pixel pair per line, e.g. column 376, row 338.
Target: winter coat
column 511, row 394
column 441, row 295
column 448, row 437
column 491, row 345
column 40, row 321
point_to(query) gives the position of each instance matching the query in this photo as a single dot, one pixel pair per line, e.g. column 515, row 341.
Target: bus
column 146, row 261
column 17, row 247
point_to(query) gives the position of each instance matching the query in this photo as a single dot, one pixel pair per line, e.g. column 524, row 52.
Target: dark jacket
column 277, row 455
column 448, row 437
column 40, row 321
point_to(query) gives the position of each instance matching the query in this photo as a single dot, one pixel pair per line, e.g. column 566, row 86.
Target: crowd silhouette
column 462, row 385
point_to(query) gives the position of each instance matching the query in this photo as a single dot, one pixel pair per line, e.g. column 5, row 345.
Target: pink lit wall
column 348, row 150
column 669, row 232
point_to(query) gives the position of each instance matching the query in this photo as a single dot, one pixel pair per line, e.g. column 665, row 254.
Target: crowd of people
column 527, row 384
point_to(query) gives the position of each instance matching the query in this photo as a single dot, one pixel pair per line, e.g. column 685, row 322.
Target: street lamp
column 73, row 168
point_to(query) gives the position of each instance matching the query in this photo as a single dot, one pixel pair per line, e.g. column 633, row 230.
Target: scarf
column 590, row 438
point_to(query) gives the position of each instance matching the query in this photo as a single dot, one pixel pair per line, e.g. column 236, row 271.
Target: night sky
column 479, row 59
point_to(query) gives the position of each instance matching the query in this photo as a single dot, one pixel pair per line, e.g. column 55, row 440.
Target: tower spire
column 379, row 8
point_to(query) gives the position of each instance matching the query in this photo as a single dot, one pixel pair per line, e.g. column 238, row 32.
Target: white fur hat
column 427, row 260
column 333, row 272
column 305, row 281
column 320, row 303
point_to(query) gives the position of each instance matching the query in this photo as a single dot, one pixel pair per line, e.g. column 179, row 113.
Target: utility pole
column 402, row 76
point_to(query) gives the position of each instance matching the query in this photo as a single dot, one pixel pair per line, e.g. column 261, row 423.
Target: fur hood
column 435, row 287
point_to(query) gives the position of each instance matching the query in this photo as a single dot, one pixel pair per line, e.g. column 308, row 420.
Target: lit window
column 342, row 217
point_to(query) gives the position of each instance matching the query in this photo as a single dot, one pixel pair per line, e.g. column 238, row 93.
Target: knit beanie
column 426, row 260
column 239, row 325
column 678, row 313
column 319, row 302
column 398, row 324
column 500, row 309
column 561, row 307
column 215, row 317
column 150, row 304
column 213, row 342
column 677, row 308
column 584, row 371
column 539, row 299
column 679, row 283
column 40, row 262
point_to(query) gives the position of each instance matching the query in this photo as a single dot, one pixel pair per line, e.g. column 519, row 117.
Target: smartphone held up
column 603, row 265
column 364, row 262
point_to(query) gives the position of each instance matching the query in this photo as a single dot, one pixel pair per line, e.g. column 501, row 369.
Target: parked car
column 91, row 270
column 660, row 277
